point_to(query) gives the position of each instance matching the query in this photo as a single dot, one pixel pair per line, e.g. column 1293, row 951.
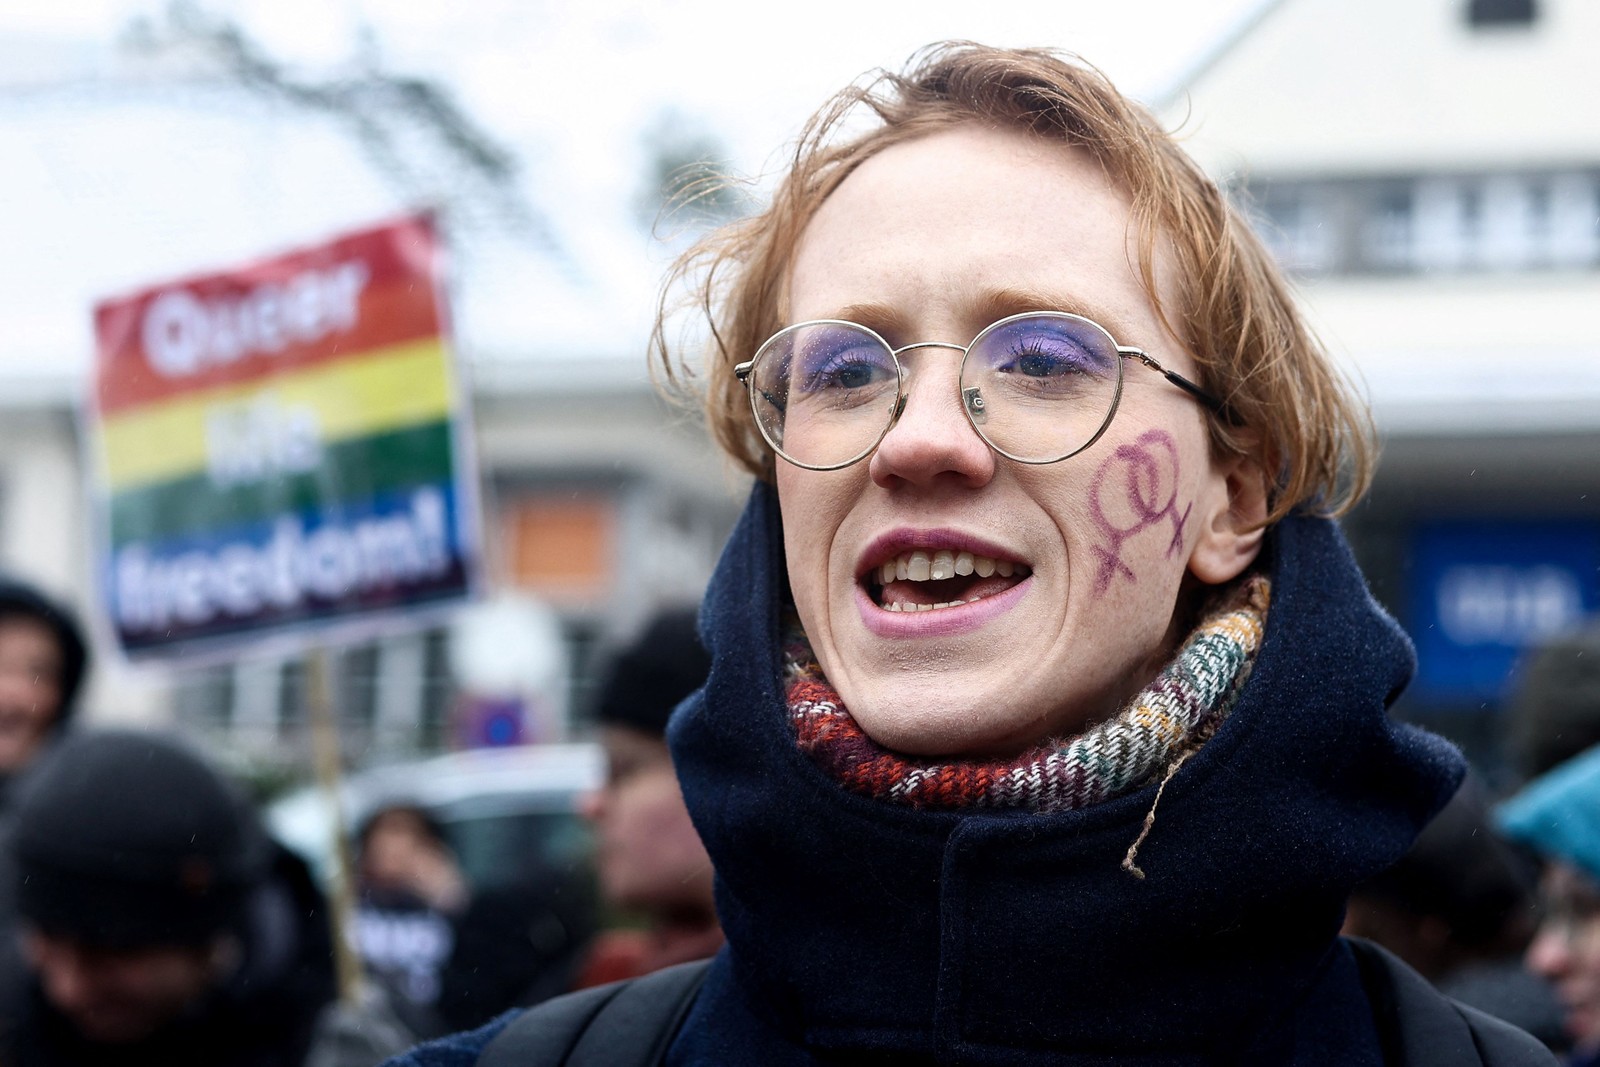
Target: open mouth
column 932, row 580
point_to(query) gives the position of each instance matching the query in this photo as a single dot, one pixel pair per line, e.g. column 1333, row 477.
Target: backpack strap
column 624, row 1024
column 1421, row 1027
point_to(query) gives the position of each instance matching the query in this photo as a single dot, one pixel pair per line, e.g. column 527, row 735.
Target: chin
column 937, row 725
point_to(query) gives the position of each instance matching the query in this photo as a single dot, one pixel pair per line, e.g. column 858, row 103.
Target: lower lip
column 942, row 622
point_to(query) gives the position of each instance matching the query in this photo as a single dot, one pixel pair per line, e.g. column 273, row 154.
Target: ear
column 1231, row 529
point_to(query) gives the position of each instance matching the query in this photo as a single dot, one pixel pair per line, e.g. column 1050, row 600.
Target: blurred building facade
column 1430, row 173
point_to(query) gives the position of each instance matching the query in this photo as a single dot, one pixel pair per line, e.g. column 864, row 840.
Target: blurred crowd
column 153, row 920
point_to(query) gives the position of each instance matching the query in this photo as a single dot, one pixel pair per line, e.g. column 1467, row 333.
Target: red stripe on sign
column 361, row 292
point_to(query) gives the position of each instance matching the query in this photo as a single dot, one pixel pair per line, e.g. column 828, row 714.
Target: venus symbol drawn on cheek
column 1135, row 489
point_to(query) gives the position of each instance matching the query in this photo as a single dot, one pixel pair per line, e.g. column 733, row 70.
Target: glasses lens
column 824, row 392
column 1041, row 387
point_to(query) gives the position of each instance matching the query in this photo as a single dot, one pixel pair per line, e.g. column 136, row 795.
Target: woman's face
column 1566, row 949
column 649, row 857
column 932, row 240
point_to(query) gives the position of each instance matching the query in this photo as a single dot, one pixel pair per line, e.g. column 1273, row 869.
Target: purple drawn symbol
column 1140, row 469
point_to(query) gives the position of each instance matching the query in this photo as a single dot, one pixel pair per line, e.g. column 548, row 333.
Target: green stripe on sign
column 350, row 470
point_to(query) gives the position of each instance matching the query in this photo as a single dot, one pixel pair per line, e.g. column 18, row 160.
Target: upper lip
column 891, row 543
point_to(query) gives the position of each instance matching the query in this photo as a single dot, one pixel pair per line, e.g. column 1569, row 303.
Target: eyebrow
column 995, row 304
column 987, row 306
column 880, row 317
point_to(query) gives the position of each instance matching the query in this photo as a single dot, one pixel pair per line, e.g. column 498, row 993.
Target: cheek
column 1587, row 963
column 651, row 832
column 1139, row 504
column 648, row 811
column 815, row 507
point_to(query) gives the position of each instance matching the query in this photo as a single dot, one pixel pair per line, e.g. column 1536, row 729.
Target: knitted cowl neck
column 1159, row 728
column 861, row 928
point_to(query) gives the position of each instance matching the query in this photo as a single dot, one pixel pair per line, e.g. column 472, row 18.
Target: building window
column 1447, row 215
column 203, row 700
column 1510, row 229
column 1440, row 223
column 1572, row 220
column 563, row 547
column 1484, row 13
column 1388, row 230
column 1296, row 222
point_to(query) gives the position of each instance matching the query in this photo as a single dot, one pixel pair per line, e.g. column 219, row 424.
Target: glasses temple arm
column 1216, row 405
column 1195, row 391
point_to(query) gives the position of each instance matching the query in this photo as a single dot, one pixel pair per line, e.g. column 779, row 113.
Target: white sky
column 570, row 87
column 748, row 71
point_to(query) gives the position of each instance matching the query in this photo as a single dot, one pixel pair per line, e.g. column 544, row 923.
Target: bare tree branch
column 411, row 128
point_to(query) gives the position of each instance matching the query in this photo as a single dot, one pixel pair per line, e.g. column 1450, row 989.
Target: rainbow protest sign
column 279, row 446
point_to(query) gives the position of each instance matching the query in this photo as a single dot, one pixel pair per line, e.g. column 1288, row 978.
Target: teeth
column 923, row 566
column 920, row 568
column 929, row 607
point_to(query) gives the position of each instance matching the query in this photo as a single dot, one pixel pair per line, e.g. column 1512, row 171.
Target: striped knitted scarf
column 1161, row 726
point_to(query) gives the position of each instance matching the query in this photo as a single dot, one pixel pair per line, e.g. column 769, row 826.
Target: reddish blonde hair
column 1286, row 406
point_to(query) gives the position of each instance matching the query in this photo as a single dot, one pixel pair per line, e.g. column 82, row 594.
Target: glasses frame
column 743, row 371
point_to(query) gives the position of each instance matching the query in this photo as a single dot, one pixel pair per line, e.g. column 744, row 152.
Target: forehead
column 1563, row 883
column 624, row 744
column 23, row 636
column 961, row 218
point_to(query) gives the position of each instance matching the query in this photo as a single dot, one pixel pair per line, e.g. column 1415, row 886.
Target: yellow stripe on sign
column 386, row 390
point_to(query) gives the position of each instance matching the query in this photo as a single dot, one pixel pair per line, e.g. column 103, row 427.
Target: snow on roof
column 1359, row 86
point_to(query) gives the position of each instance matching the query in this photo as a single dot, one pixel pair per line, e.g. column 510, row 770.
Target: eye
column 847, row 371
column 1045, row 362
column 1043, row 355
column 1038, row 362
column 839, row 360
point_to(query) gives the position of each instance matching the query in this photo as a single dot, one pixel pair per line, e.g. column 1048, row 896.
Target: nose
column 1549, row 954
column 932, row 441
column 67, row 979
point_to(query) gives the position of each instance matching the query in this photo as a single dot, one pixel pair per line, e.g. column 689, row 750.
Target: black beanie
column 647, row 678
column 126, row 839
column 18, row 599
column 1555, row 707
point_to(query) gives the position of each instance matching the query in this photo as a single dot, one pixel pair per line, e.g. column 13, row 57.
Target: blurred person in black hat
column 1554, row 711
column 158, row 922
column 651, row 862
column 524, row 944
column 43, row 661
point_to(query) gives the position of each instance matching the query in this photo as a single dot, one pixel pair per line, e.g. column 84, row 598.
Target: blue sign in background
column 1484, row 591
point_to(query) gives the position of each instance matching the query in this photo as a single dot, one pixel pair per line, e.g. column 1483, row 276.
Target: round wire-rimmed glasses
column 1038, row 387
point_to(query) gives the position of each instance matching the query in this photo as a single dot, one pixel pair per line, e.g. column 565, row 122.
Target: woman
column 1045, row 724
column 1554, row 816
